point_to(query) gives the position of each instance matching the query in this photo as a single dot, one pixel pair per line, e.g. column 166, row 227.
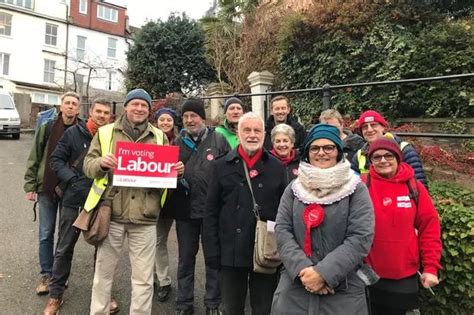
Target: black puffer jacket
column 300, row 132
column 70, row 147
column 229, row 224
column 190, row 196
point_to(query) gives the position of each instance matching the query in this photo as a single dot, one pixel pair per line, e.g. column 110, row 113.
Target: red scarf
column 92, row 127
column 285, row 160
column 313, row 216
column 250, row 161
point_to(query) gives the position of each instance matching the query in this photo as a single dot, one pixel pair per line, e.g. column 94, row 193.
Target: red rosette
column 313, row 216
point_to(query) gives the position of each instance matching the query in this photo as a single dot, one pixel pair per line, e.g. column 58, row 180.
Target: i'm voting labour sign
column 145, row 165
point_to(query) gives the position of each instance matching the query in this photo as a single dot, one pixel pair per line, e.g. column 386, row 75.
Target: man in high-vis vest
column 372, row 126
column 135, row 211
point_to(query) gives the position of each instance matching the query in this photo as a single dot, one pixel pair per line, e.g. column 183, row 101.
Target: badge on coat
column 387, row 201
column 295, row 171
column 253, row 173
column 210, row 157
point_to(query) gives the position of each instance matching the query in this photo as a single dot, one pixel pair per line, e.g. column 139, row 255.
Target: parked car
column 9, row 117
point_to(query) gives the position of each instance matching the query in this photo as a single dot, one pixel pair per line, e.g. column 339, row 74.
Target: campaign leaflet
column 145, row 165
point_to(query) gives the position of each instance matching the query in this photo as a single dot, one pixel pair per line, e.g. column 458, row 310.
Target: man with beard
column 281, row 114
column 230, row 222
column 40, row 181
column 233, row 110
column 199, row 146
column 66, row 162
column 134, row 210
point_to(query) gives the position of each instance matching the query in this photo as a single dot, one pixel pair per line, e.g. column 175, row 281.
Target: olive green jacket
column 36, row 161
column 129, row 204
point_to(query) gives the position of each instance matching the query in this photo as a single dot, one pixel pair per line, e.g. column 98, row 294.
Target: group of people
column 354, row 223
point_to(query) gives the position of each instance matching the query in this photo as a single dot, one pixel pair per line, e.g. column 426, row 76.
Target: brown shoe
column 52, row 308
column 113, row 306
column 42, row 287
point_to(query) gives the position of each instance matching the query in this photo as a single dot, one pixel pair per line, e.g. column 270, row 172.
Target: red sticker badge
column 387, row 201
column 295, row 171
column 210, row 157
column 253, row 173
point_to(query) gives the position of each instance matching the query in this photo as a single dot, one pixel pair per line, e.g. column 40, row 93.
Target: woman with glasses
column 324, row 229
column 283, row 141
column 406, row 228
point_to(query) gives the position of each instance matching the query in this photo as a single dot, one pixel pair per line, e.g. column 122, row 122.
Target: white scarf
column 324, row 186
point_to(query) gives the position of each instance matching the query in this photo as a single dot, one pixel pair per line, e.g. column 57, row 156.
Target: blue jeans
column 48, row 210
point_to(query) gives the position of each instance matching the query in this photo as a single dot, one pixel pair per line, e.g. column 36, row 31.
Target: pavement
column 19, row 267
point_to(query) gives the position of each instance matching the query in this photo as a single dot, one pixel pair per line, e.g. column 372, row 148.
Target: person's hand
column 109, row 161
column 325, row 290
column 31, row 196
column 179, row 167
column 429, row 280
column 311, row 279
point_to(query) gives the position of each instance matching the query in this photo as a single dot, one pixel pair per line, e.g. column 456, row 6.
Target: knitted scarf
column 324, row 186
column 92, row 127
column 134, row 130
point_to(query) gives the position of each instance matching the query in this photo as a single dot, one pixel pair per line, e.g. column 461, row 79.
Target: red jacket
column 403, row 233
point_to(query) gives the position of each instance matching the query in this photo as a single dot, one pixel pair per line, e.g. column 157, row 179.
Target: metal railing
column 327, row 89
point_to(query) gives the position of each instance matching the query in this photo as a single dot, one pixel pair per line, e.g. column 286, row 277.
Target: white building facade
column 50, row 46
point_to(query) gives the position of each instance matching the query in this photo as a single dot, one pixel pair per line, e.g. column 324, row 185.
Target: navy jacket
column 75, row 184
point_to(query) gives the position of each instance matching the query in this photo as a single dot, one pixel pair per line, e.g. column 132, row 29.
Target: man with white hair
column 229, row 221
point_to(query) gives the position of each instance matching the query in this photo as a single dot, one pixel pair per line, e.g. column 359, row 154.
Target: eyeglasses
column 329, row 148
column 378, row 158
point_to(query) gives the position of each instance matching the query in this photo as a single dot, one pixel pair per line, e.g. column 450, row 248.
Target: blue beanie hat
column 323, row 131
column 232, row 100
column 166, row 110
column 138, row 94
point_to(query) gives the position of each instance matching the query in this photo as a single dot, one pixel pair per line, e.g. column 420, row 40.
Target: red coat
column 403, row 233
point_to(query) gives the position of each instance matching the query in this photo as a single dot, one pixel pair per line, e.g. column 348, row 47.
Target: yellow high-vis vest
column 100, row 184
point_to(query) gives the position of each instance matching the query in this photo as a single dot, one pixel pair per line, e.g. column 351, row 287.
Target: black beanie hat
column 194, row 104
column 232, row 100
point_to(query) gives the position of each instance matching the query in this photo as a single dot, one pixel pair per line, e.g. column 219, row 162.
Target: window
column 51, row 34
column 112, row 48
column 81, row 47
column 110, row 79
column 4, row 63
column 49, row 70
column 43, row 98
column 21, row 3
column 83, row 6
column 107, row 13
column 5, row 24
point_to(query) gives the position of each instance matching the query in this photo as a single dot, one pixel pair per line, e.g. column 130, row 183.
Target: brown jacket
column 129, row 204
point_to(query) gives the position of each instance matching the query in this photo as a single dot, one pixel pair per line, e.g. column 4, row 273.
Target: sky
column 141, row 10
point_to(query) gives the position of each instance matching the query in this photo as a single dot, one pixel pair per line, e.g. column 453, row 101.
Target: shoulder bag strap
column 256, row 207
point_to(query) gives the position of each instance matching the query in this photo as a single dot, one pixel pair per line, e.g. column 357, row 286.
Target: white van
column 9, row 117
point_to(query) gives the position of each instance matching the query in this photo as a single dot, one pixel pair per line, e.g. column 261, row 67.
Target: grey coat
column 339, row 245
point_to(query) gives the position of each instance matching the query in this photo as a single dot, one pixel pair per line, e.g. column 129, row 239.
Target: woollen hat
column 232, row 100
column 323, row 131
column 138, row 94
column 166, row 110
column 386, row 144
column 195, row 105
column 371, row 116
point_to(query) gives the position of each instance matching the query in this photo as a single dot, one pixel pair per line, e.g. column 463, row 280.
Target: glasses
column 329, row 148
column 378, row 158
